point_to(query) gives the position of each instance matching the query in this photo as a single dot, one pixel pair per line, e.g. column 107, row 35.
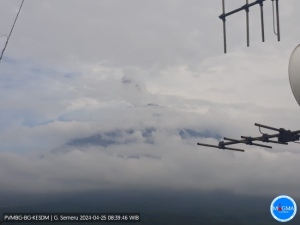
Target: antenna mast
column 246, row 8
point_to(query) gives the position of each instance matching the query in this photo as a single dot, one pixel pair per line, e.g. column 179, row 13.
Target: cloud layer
column 116, row 94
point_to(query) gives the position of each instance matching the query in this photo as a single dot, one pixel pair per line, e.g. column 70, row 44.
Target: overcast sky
column 115, row 94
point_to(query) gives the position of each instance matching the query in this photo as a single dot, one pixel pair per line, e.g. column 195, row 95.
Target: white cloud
column 75, row 69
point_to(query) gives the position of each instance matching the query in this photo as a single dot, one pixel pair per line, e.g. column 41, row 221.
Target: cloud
column 116, row 94
column 125, row 159
column 170, row 162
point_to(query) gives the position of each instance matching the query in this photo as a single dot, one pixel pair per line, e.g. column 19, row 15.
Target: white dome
column 294, row 73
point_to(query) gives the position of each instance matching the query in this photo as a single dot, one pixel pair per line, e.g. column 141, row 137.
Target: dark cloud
column 151, row 104
column 186, row 133
column 126, row 80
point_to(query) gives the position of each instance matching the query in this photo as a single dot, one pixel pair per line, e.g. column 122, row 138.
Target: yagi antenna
column 283, row 137
column 246, row 8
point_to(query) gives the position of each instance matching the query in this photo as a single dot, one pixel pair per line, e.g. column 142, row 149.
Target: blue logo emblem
column 283, row 208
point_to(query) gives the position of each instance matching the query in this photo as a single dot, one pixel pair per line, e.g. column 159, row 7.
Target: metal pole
column 262, row 22
column 247, row 16
column 277, row 13
column 224, row 28
column 242, row 8
column 267, row 127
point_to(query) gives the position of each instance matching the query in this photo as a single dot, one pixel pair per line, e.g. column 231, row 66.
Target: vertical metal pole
column 247, row 17
column 262, row 22
column 277, row 13
column 224, row 28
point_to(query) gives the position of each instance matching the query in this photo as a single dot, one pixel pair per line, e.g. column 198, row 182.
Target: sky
column 115, row 95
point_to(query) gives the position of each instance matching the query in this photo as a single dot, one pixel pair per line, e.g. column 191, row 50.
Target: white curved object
column 294, row 73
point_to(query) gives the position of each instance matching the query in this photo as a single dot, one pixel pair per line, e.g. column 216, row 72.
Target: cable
column 261, row 132
column 11, row 32
column 2, row 35
column 273, row 17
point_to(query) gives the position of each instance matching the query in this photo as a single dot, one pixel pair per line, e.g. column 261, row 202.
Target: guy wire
column 11, row 31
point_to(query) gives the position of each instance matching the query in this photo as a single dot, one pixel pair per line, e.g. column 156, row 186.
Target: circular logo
column 283, row 208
